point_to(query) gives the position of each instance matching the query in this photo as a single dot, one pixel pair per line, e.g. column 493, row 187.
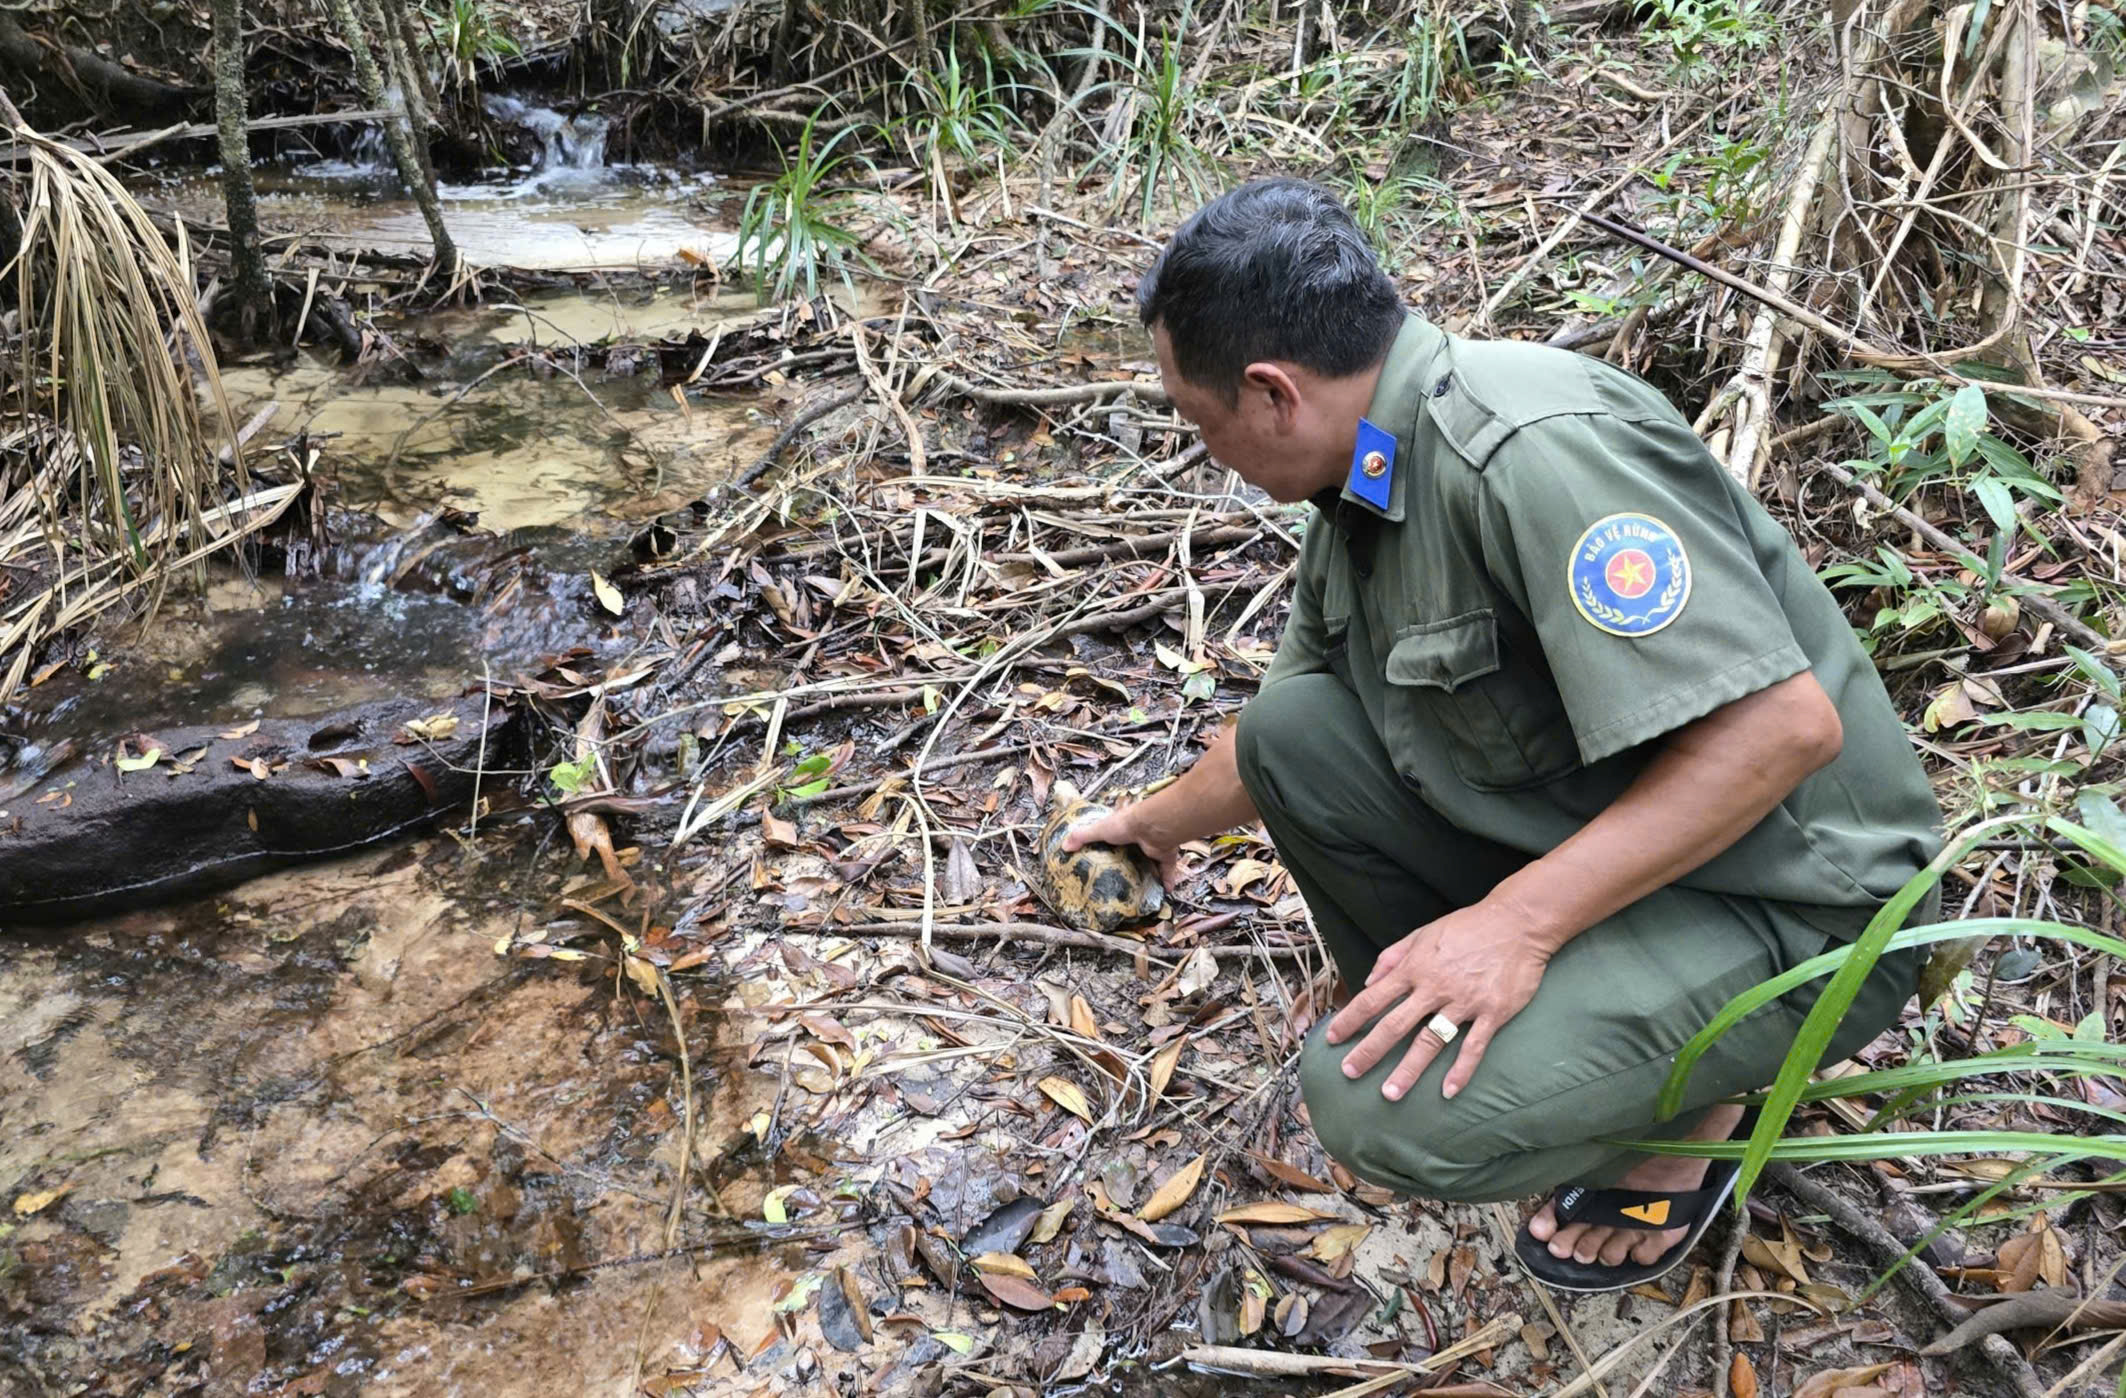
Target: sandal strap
column 1649, row 1211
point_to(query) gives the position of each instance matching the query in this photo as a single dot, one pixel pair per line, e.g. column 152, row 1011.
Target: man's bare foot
column 1659, row 1173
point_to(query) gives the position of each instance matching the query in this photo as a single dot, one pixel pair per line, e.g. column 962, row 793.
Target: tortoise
column 1096, row 888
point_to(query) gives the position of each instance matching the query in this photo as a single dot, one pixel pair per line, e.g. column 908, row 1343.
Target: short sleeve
column 1304, row 648
column 1625, row 546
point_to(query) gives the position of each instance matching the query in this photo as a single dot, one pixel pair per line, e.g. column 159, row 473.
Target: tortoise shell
column 1099, row 887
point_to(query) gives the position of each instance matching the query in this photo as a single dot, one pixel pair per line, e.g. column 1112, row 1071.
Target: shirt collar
column 1381, row 457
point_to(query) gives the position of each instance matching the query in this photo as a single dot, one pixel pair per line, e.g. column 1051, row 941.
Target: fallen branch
column 2032, row 1310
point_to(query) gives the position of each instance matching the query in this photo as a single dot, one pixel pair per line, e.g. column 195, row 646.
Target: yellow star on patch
column 1630, row 573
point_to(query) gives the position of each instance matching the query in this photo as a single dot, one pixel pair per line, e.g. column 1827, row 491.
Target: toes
column 1589, row 1247
column 1650, row 1248
column 1543, row 1224
column 1616, row 1247
column 1566, row 1239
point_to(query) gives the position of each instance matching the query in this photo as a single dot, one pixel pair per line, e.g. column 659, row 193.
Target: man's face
column 1263, row 435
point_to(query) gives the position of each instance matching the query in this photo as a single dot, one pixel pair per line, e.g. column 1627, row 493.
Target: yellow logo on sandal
column 1655, row 1213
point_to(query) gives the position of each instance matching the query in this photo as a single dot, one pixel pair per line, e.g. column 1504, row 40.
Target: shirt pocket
column 1448, row 685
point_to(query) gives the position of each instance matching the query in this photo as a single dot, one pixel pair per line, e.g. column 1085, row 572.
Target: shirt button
column 1439, row 390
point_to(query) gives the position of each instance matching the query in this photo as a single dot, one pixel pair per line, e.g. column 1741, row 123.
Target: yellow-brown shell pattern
column 1099, row 887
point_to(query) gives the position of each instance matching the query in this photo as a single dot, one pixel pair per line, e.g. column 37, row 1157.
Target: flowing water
column 566, row 210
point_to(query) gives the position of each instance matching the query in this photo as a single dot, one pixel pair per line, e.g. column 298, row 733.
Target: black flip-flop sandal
column 1642, row 1210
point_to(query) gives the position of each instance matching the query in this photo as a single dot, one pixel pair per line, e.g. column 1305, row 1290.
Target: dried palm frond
column 113, row 473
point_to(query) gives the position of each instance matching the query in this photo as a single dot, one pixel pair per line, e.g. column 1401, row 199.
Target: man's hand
column 1473, row 966
column 1126, row 826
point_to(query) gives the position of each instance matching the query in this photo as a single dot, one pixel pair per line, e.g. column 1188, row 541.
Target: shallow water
column 608, row 219
column 523, row 448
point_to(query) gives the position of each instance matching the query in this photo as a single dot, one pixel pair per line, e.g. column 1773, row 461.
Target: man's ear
column 1278, row 389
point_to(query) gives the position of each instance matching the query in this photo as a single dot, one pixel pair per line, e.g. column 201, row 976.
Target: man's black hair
column 1275, row 269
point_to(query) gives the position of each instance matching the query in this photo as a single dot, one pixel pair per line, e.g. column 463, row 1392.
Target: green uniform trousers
column 1587, row 1058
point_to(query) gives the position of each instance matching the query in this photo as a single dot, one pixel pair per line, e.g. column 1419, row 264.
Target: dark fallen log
column 96, row 81
column 214, row 810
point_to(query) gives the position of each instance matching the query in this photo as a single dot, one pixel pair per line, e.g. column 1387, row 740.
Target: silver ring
column 1446, row 1028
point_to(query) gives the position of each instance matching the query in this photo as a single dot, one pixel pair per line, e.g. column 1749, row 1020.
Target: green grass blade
column 1831, row 1006
column 1732, row 1013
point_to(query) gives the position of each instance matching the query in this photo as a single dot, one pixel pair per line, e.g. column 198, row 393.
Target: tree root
column 1856, row 1223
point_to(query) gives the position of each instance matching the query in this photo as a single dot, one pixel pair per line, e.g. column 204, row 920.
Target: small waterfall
column 565, row 143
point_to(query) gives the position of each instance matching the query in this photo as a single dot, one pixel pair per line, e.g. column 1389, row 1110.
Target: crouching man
column 1564, row 743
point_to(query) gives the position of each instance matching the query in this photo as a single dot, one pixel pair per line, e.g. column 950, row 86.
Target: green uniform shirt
column 1536, row 569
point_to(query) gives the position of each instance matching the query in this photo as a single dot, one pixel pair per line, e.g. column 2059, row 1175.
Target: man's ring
column 1446, row 1028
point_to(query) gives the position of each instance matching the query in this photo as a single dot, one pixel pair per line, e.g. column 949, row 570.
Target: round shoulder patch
column 1629, row 575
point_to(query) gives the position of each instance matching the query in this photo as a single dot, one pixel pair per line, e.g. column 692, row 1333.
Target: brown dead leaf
column 1272, row 1212
column 1742, row 1377
column 27, row 1204
column 1016, row 1292
column 1831, row 1382
column 1004, row 1264
column 244, row 731
column 1162, row 1069
column 1742, row 1326
column 829, row 1030
column 1254, row 1301
column 2033, row 1257
column 1051, row 1220
column 1082, row 1022
column 590, row 834
column 1067, row 1095
column 1333, row 1242
column 1291, row 1174
column 1175, row 1192
column 777, row 833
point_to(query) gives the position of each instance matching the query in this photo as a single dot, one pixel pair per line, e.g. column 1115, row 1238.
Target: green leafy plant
column 1701, row 33
column 807, row 779
column 1387, row 209
column 1435, row 60
column 1156, row 155
column 793, row 227
column 463, row 35
column 961, row 111
column 1917, row 436
column 571, row 777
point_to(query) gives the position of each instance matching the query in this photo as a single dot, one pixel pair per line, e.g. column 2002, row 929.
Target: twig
column 1050, row 397
column 1855, row 1222
column 1271, row 1362
column 1723, row 1346
column 1034, row 932
column 1932, row 365
column 1760, row 355
column 1502, row 1224
column 783, row 439
column 1632, row 171
column 918, row 462
column 2041, row 604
